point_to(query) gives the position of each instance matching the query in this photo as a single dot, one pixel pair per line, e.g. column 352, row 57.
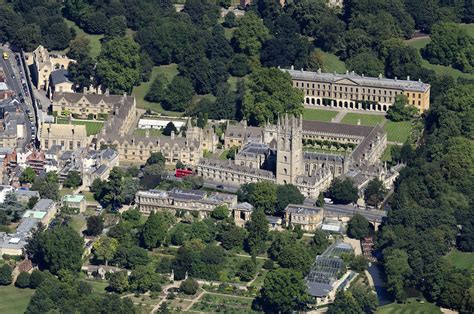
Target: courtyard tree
column 170, row 128
column 284, row 290
column 374, row 192
column 73, row 180
column 342, row 191
column 27, row 176
column 358, row 227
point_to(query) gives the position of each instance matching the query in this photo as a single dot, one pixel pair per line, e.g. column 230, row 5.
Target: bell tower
column 289, row 149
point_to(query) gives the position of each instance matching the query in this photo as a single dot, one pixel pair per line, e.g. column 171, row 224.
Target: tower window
column 285, row 158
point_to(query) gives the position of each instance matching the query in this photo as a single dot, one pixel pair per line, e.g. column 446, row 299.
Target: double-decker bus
column 181, row 173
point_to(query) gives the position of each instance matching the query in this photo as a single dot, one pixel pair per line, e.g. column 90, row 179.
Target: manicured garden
column 151, row 132
column 412, row 306
column 169, row 71
column 331, row 63
column 365, row 119
column 397, row 131
column 219, row 303
column 14, row 300
column 92, row 127
column 319, row 114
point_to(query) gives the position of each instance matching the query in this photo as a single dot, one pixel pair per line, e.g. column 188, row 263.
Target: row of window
column 63, row 144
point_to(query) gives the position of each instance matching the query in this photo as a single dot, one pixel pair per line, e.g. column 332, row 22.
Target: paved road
column 349, row 211
column 14, row 73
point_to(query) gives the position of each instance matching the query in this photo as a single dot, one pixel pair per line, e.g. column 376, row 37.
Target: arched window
column 285, row 171
column 285, row 158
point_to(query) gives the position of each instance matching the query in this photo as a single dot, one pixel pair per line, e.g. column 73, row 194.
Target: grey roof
column 43, row 205
column 108, row 153
column 302, row 209
column 336, row 128
column 26, row 224
column 244, row 207
column 186, row 194
column 59, row 76
column 360, row 80
column 94, row 99
column 101, row 169
column 26, row 193
column 323, row 156
column 242, row 131
column 254, row 148
column 226, row 165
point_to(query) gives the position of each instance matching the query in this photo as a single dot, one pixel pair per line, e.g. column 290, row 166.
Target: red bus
column 181, row 173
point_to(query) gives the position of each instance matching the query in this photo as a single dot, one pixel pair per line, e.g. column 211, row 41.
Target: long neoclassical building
column 358, row 92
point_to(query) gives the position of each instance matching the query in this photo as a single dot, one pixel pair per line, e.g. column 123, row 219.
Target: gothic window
column 286, row 159
column 285, row 171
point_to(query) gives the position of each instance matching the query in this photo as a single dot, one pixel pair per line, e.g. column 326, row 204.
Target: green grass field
column 169, row 71
column 95, row 40
column 365, row 119
column 228, row 304
column 14, row 300
column 92, row 127
column 77, row 222
column 410, row 307
column 397, row 131
column 332, row 63
column 387, row 154
column 318, row 114
column 461, row 260
column 152, row 132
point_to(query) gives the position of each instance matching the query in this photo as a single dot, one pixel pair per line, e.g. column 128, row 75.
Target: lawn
column 461, row 260
column 89, row 196
column 412, row 306
column 65, row 191
column 14, row 300
column 169, row 71
column 95, row 40
column 397, row 131
column 387, row 154
column 319, row 114
column 223, row 156
column 365, row 119
column 98, row 286
column 92, row 127
column 152, row 132
column 77, row 222
column 227, row 304
column 332, row 63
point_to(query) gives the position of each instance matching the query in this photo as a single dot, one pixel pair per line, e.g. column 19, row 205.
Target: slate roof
column 336, row 128
column 360, row 80
column 59, row 76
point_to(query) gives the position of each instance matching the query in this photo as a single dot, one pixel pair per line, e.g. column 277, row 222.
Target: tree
column 374, row 192
column 358, row 263
column 116, row 27
column 48, row 187
column 157, row 91
column 104, row 249
column 231, row 153
column 95, row 22
column 180, row 165
column 239, row 65
column 250, row 34
column 286, row 51
column 79, row 48
column 144, row 278
column 220, row 212
column 32, row 202
column 82, row 73
column 27, row 176
column 257, row 229
column 194, row 182
column 178, row 95
column 246, row 270
column 5, row 275
column 230, row 20
column 287, row 194
column 269, row 94
column 233, row 237
column 23, row 280
column 342, row 191
column 118, row 282
column 319, row 243
column 95, row 225
column 366, row 63
column 154, row 231
column 202, row 13
column 261, row 195
column 156, row 158
column 320, row 200
column 11, row 209
column 358, row 227
column 189, row 286
column 360, row 300
column 283, row 290
column 60, row 248
column 401, row 110
column 119, row 65
column 295, row 256
column 316, row 61
column 36, row 278
column 402, row 61
column 397, row 270
column 73, row 180
column 169, row 128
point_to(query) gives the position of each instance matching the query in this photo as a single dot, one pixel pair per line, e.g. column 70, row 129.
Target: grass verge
column 92, row 127
column 411, row 306
column 319, row 114
column 397, row 131
column 95, row 40
column 14, row 300
column 461, row 260
column 365, row 119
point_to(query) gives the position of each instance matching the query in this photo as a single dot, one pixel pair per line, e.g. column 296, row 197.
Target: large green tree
column 284, row 290
column 119, row 65
column 261, row 195
column 358, row 227
column 154, row 231
column 257, row 229
column 270, row 93
column 250, row 34
column 374, row 192
column 342, row 191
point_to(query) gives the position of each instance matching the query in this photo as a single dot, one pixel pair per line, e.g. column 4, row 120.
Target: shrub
column 23, row 280
column 268, row 264
column 5, row 275
column 36, row 278
column 189, row 286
